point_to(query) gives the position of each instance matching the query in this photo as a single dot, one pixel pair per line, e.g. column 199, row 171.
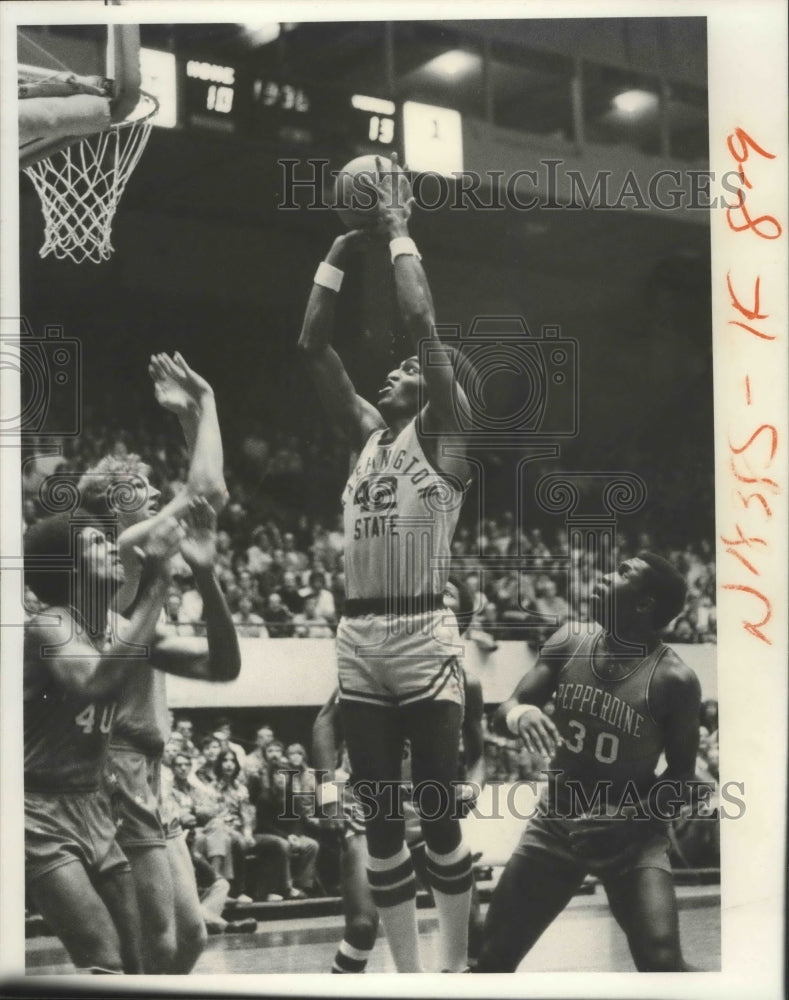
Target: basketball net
column 80, row 186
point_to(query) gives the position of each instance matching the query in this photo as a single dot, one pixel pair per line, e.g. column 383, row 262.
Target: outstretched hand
column 392, row 208
column 177, row 387
column 538, row 732
column 160, row 544
column 198, row 543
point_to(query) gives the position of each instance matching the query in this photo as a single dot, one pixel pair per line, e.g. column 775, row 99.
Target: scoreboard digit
column 210, row 95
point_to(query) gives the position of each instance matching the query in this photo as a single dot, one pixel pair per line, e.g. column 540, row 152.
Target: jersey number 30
column 86, row 719
column 606, row 745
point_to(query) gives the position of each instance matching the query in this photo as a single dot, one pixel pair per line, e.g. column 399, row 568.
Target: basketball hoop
column 81, row 184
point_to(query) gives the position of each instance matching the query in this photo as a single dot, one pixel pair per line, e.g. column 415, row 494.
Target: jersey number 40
column 86, row 720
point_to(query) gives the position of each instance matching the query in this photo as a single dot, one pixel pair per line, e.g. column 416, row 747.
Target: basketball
column 354, row 195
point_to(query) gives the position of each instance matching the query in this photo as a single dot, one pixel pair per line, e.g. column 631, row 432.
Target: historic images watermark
column 550, row 185
column 663, row 802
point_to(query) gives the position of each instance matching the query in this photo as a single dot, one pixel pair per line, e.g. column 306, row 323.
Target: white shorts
column 395, row 660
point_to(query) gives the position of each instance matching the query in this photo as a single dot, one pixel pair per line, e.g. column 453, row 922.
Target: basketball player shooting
column 396, row 644
column 621, row 698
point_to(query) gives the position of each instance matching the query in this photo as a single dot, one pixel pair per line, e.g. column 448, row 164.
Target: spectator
column 227, row 836
column 292, row 559
column 247, row 623
column 259, row 552
column 303, row 778
column 324, row 600
column 181, row 793
column 539, row 550
column 223, row 732
column 248, row 586
column 256, row 764
column 276, row 818
column 204, row 770
column 548, row 603
column 289, row 592
column 278, row 618
column 173, row 746
column 275, row 753
column 311, row 625
column 504, row 591
column 184, row 726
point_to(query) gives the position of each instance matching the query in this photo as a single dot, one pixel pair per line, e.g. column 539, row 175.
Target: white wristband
column 516, row 713
column 329, row 276
column 403, row 245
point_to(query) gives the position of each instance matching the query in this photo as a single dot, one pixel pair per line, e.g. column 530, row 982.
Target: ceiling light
column 260, row 32
column 376, row 105
column 635, row 102
column 453, row 63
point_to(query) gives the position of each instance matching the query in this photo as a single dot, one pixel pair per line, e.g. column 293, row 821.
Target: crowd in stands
column 280, row 542
column 249, row 816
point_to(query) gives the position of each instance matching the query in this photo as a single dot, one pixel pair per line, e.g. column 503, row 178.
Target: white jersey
column 400, row 516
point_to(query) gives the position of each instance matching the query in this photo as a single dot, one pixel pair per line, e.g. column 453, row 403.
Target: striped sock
column 393, row 886
column 349, row 959
column 450, row 878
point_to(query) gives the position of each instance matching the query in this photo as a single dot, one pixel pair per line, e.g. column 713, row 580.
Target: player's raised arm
column 216, row 657
column 181, row 390
column 352, row 416
column 415, row 304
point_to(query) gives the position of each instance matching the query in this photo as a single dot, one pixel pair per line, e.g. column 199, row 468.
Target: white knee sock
column 393, row 886
column 450, row 879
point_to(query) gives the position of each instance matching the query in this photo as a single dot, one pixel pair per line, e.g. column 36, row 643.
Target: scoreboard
column 282, row 111
column 200, row 94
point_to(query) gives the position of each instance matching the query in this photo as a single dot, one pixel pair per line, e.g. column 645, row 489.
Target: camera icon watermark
column 49, row 369
column 509, row 385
